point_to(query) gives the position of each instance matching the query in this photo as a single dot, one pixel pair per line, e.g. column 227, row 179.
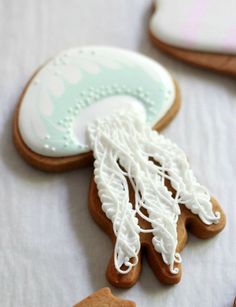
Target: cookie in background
column 200, row 32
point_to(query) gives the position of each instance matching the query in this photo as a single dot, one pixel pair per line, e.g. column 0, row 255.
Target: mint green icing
column 57, row 94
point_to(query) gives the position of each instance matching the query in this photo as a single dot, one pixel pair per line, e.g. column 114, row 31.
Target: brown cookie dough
column 187, row 222
column 225, row 64
column 102, row 298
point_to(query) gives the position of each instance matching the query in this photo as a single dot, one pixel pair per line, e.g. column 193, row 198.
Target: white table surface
column 51, row 252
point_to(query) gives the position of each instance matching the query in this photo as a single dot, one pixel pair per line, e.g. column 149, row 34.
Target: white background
column 51, row 252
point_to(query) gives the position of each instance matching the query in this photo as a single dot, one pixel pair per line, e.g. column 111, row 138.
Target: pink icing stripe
column 194, row 20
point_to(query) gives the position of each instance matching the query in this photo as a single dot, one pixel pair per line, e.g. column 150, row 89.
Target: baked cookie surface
column 145, row 197
column 104, row 298
column 102, row 103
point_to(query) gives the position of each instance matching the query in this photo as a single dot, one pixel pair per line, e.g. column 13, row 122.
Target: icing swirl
column 127, row 150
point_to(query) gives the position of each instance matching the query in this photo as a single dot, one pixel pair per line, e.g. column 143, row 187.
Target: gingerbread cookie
column 102, row 298
column 106, row 101
column 80, row 85
column 144, row 196
column 202, row 33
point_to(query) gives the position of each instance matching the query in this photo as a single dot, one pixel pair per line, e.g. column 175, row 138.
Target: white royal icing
column 124, row 148
column 82, row 84
column 203, row 25
column 101, row 109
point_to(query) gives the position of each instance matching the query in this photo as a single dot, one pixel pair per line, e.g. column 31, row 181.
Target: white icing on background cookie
column 123, row 145
column 82, row 84
column 204, row 25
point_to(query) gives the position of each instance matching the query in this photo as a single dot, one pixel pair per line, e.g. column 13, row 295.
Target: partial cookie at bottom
column 104, row 297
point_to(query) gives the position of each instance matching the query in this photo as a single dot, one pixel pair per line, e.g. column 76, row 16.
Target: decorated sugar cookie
column 104, row 298
column 78, row 86
column 201, row 32
column 101, row 104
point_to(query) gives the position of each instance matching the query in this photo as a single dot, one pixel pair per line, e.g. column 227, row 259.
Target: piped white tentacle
column 127, row 150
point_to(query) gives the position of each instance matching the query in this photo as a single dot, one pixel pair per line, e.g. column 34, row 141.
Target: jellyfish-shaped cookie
column 101, row 103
